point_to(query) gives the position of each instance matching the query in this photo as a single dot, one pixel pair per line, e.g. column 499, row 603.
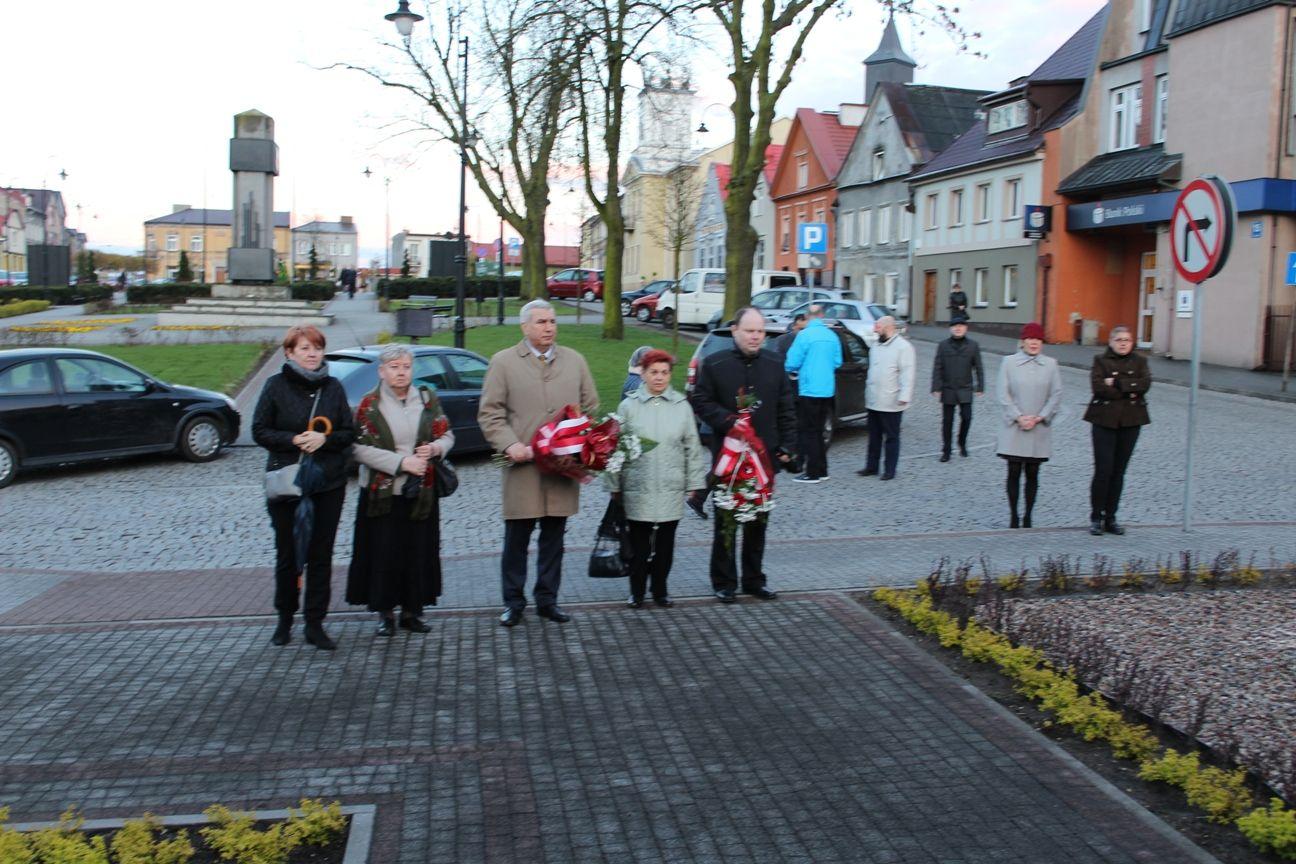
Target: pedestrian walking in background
column 1118, row 410
column 957, row 374
column 396, row 554
column 525, row 386
column 755, row 377
column 888, row 392
column 652, row 487
column 957, row 301
column 1030, row 391
column 634, row 371
column 286, row 423
column 783, row 343
column 815, row 357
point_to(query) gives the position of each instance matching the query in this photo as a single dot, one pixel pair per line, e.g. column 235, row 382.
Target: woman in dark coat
column 396, row 557
column 285, row 425
column 1118, row 410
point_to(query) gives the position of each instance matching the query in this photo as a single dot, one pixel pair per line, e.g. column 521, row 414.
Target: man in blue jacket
column 814, row 358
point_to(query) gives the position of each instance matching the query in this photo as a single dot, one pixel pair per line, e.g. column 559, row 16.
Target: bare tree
column 672, row 223
column 515, row 115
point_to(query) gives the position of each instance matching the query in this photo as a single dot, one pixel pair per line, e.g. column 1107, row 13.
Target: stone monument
column 254, row 159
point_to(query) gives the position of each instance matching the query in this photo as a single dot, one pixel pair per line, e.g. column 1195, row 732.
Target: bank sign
column 1136, row 210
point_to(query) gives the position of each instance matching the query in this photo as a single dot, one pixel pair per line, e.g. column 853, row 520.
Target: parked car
column 777, row 303
column 701, row 294
column 63, row 405
column 645, row 308
column 576, row 282
column 456, row 374
column 848, row 403
column 855, row 315
column 652, row 289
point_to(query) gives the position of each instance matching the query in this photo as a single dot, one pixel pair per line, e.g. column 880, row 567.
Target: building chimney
column 176, row 208
column 346, row 220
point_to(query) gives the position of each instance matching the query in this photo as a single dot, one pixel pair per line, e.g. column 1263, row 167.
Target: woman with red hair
column 303, row 411
column 652, row 487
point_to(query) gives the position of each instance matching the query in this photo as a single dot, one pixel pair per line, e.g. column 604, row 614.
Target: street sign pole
column 1198, row 296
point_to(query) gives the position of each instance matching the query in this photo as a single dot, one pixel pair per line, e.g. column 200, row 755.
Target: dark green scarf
column 374, row 432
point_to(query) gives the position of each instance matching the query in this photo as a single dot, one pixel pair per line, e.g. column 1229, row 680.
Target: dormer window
column 803, row 174
column 1005, row 117
column 879, row 164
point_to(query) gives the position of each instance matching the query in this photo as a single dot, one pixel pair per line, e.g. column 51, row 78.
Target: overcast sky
column 134, row 99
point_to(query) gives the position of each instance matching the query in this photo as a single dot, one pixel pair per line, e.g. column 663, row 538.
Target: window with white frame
column 955, row 278
column 786, row 242
column 870, row 288
column 933, row 214
column 1162, row 102
column 884, row 224
column 956, row 207
column 1010, row 285
column 981, row 291
column 1126, row 112
column 346, row 248
column 982, row 202
column 892, row 287
column 195, row 243
column 847, row 229
column 151, row 243
column 904, row 217
column 803, row 174
column 1005, row 117
column 1012, row 198
column 173, row 242
column 303, row 247
column 879, row 164
column 1145, row 15
column 865, row 227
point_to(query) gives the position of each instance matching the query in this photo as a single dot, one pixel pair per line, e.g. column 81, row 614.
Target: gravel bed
column 1216, row 665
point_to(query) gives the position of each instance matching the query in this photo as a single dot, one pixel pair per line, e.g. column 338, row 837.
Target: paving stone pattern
column 799, row 731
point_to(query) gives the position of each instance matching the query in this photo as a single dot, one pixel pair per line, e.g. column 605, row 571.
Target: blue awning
column 1262, row 195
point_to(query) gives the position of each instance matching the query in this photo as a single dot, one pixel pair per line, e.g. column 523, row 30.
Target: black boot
column 283, row 633
column 1111, row 526
column 316, row 636
column 1095, row 527
column 386, row 626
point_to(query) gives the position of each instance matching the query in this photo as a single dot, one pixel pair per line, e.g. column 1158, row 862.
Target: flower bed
column 22, row 307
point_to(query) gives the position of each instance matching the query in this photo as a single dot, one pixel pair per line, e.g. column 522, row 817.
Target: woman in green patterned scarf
column 396, row 556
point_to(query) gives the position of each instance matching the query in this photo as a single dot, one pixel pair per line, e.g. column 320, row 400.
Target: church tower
column 888, row 63
column 665, row 112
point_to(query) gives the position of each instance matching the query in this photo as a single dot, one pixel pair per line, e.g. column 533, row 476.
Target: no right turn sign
column 1201, row 228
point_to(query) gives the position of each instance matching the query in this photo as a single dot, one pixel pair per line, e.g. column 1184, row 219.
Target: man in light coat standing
column 526, row 385
column 888, row 392
column 814, row 358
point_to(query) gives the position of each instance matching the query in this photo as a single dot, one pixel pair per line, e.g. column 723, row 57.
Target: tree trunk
column 613, row 323
column 740, row 253
column 533, row 262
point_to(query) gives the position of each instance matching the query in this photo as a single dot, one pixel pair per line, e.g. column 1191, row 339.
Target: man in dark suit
column 958, row 362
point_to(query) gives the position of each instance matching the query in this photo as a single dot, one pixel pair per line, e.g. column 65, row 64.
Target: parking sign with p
column 812, row 238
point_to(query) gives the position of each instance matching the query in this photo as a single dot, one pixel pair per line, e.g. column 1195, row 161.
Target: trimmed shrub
column 444, row 287
column 23, row 307
column 59, row 295
column 1271, row 829
column 317, row 290
column 169, row 293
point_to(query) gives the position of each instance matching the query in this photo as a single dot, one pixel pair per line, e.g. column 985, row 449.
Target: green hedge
column 23, row 307
column 444, row 286
column 59, row 295
column 165, row 294
column 317, row 290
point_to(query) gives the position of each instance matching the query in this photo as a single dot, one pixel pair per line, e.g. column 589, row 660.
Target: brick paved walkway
column 796, row 731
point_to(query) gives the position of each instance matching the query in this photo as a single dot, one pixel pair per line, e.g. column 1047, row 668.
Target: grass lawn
column 219, row 366
column 607, row 359
column 512, row 306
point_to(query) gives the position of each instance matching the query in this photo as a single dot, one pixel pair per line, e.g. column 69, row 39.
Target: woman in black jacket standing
column 285, row 425
column 1117, row 411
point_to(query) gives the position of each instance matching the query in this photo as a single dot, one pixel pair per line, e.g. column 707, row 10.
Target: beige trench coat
column 520, row 393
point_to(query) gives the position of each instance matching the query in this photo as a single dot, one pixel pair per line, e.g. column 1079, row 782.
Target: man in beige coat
column 526, row 385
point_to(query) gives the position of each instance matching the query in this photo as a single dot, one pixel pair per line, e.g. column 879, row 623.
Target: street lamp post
column 405, row 20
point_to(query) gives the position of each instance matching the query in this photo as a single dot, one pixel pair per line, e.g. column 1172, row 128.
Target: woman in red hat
column 1030, row 391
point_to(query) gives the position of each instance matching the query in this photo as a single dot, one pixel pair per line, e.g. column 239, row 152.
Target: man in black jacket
column 759, row 374
column 958, row 358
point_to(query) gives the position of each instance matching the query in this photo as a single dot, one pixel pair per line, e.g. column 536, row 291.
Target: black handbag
column 445, row 479
column 610, row 558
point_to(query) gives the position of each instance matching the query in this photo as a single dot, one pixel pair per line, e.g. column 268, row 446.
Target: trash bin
column 414, row 321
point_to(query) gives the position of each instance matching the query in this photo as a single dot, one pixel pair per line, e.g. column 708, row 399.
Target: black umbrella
column 310, row 477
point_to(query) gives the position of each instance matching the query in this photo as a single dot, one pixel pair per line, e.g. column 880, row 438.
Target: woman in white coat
column 1030, row 391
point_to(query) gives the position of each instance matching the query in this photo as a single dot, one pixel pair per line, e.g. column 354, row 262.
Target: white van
column 702, row 294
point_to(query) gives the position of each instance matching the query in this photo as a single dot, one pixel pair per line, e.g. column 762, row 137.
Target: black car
column 852, row 375
column 655, row 287
column 457, row 376
column 60, row 405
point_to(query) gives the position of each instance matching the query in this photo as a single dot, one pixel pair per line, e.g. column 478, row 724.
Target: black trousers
column 947, row 424
column 319, row 555
column 513, row 564
column 884, row 424
column 812, row 413
column 1112, row 449
column 724, row 546
column 654, row 552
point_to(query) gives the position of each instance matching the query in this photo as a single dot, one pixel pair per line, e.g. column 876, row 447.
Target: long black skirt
column 395, row 561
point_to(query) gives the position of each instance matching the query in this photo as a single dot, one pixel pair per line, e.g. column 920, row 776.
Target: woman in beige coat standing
column 396, row 555
column 1030, row 391
column 526, row 385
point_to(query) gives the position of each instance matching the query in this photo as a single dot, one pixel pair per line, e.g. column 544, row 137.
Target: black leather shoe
column 887, row 476
column 554, row 614
column 944, row 457
column 1111, row 526
column 316, row 636
column 386, row 627
column 1096, row 528
column 664, row 601
column 963, row 450
column 282, row 634
column 726, row 595
column 762, row 593
column 1014, row 522
column 867, row 472
column 1026, row 523
column 635, row 602
column 415, row 625
column 511, row 618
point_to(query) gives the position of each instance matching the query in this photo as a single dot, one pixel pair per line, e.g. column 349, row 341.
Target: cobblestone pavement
column 799, row 731
column 163, row 514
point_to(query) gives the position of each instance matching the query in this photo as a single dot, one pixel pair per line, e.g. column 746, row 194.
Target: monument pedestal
column 252, row 292
column 246, row 306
